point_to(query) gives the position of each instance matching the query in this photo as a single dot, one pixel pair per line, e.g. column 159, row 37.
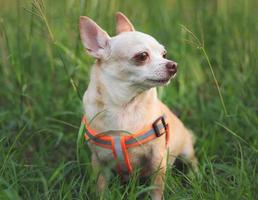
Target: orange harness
column 120, row 144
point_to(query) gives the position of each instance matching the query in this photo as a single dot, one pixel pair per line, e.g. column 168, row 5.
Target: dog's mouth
column 159, row 81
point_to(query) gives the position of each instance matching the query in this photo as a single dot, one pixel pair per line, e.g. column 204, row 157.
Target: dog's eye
column 164, row 55
column 141, row 57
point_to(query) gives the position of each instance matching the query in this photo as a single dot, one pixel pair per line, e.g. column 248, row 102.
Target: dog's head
column 130, row 56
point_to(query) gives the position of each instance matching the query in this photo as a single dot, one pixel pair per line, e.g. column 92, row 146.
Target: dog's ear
column 123, row 24
column 94, row 39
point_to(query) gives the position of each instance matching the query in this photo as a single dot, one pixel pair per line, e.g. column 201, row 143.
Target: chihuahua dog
column 122, row 95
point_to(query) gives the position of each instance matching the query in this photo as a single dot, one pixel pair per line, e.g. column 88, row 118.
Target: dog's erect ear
column 123, row 24
column 94, row 39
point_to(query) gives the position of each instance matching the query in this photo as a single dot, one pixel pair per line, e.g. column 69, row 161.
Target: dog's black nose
column 171, row 67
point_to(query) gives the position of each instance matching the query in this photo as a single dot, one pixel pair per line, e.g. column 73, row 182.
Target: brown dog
column 122, row 96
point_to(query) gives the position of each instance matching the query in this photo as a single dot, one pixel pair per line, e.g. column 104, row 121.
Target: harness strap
column 121, row 154
column 157, row 129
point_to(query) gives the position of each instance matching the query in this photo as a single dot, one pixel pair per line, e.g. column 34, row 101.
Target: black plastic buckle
column 156, row 127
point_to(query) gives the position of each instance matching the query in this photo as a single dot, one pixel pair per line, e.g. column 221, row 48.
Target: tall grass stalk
column 200, row 45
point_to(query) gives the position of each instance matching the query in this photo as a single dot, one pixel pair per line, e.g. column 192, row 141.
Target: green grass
column 44, row 72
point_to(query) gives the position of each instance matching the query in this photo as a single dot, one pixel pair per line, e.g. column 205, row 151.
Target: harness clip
column 156, row 126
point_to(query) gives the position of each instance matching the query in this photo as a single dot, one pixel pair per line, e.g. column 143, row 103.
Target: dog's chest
column 124, row 119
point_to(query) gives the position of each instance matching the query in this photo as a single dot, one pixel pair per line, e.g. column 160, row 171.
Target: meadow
column 44, row 72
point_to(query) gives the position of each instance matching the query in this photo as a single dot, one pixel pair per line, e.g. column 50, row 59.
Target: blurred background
column 44, row 72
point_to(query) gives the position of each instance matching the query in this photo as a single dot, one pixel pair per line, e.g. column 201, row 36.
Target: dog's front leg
column 159, row 179
column 101, row 182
